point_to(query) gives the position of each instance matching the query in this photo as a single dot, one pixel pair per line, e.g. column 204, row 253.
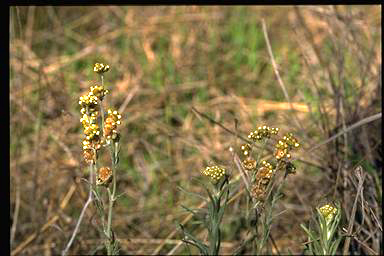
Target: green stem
column 112, row 198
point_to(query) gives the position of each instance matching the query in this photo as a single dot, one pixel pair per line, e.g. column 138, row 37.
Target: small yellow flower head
column 262, row 132
column 111, row 122
column 87, row 120
column 291, row 141
column 91, row 131
column 89, row 100
column 284, row 145
column 215, row 172
column 100, row 68
column 274, row 131
column 328, row 211
column 246, row 148
column 98, row 91
column 249, row 164
column 86, row 145
column 267, row 165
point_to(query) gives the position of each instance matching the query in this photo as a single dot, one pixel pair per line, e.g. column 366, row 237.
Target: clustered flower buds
column 264, row 171
column 104, row 176
column 284, row 145
column 262, row 179
column 98, row 91
column 100, row 68
column 215, row 172
column 249, row 164
column 328, row 212
column 110, row 125
column 90, row 111
column 246, row 149
column 263, row 132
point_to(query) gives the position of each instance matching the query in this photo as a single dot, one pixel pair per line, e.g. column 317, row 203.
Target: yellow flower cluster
column 263, row 132
column 215, row 172
column 100, row 68
column 328, row 211
column 285, row 145
column 89, row 109
column 110, row 125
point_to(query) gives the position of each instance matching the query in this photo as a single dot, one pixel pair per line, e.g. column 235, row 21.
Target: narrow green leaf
column 192, row 193
column 335, row 246
column 202, row 247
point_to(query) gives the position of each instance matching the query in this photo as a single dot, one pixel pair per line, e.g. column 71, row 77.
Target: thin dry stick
column 128, row 98
column 245, row 177
column 361, row 176
column 222, row 126
column 241, row 137
column 277, row 73
column 90, row 198
column 16, row 212
column 371, row 251
column 355, row 125
column 30, row 238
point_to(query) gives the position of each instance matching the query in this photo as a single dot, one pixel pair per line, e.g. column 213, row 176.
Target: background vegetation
column 165, row 60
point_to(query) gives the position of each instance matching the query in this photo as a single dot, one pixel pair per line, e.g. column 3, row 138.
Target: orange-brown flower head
column 249, row 164
column 89, row 156
column 110, row 125
column 262, row 179
column 104, row 176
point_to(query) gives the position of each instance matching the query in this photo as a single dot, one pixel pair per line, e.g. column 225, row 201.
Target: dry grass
column 164, row 61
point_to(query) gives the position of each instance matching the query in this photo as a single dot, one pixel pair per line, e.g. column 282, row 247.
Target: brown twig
column 89, row 200
column 222, row 126
column 16, row 211
column 360, row 174
column 30, row 238
column 277, row 73
column 355, row 125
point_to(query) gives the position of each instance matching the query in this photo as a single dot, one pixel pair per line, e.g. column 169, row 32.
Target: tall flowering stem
column 218, row 199
column 95, row 138
column 323, row 236
column 264, row 182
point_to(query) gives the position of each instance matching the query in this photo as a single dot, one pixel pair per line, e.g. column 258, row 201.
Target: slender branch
column 90, row 198
column 355, row 125
column 222, row 126
column 360, row 176
column 16, row 211
column 277, row 73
